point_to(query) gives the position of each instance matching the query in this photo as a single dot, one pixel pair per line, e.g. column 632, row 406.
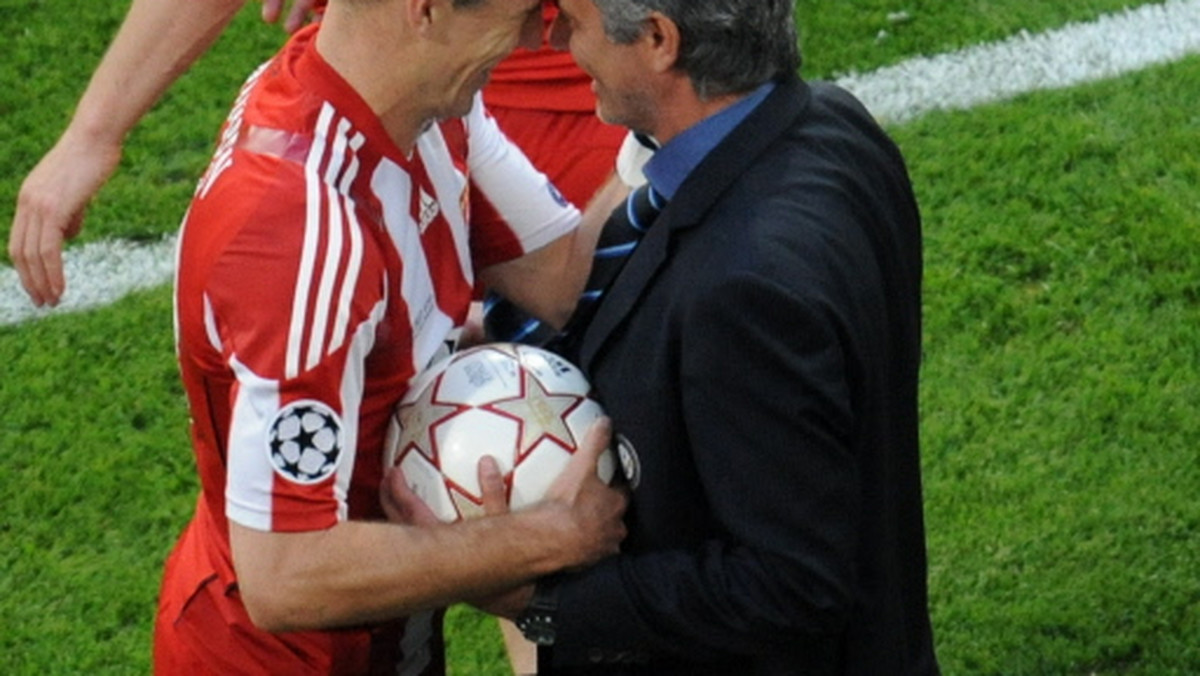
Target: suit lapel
column 695, row 197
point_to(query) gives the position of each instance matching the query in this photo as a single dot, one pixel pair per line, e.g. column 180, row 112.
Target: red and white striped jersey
column 320, row 267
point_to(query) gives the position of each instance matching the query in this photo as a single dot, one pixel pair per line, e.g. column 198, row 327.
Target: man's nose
column 560, row 34
column 531, row 32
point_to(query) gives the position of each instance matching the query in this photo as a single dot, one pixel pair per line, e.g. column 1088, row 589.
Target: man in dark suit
column 758, row 354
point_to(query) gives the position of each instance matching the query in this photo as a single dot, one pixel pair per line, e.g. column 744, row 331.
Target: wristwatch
column 536, row 622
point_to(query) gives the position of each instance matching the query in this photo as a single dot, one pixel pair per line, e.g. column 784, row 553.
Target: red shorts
column 575, row 149
column 202, row 628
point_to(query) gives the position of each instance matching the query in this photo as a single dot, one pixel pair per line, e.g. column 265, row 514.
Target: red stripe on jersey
column 326, row 292
column 454, row 133
column 332, row 246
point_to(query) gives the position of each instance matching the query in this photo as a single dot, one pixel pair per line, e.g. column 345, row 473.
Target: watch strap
column 536, row 622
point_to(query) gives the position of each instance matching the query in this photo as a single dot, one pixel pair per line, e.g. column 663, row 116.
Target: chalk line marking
column 1076, row 53
column 98, row 274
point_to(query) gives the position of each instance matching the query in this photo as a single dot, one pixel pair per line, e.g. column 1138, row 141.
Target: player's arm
column 363, row 571
column 557, row 247
column 547, row 282
column 156, row 43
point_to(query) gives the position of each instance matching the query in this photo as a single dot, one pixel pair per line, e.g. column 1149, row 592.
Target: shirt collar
column 672, row 163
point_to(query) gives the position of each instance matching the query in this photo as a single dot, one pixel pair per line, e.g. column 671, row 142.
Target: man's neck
column 683, row 109
column 381, row 67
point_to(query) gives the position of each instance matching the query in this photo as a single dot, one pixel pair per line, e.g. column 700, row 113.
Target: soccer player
column 357, row 193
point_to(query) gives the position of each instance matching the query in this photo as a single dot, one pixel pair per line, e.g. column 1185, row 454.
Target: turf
column 1062, row 372
column 840, row 37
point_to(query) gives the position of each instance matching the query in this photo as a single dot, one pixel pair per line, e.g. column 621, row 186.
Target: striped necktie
column 503, row 321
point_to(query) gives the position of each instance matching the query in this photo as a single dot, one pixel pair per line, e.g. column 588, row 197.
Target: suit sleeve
column 767, row 407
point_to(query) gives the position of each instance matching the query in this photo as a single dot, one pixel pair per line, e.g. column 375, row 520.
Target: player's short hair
column 727, row 46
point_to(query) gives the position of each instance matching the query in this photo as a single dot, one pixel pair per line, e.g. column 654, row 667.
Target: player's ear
column 660, row 40
column 421, row 13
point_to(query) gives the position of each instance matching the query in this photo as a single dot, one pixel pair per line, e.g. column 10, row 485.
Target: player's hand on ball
column 593, row 527
column 493, row 490
column 402, row 505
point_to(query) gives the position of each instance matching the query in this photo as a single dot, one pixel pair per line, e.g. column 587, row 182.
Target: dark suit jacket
column 759, row 352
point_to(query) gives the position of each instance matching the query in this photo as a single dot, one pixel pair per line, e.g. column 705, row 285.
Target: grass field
column 1060, row 387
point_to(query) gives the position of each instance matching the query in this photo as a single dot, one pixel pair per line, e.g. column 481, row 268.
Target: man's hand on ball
column 594, row 528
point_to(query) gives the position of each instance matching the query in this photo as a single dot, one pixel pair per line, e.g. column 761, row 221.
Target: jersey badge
column 305, row 442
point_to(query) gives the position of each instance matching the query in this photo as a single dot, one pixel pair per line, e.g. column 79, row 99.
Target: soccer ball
column 526, row 407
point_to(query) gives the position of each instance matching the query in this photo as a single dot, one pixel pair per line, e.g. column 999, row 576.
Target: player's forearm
column 361, row 572
column 547, row 283
column 608, row 197
column 157, row 42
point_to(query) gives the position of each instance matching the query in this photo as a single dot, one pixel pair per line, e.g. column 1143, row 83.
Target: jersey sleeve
column 515, row 209
column 292, row 302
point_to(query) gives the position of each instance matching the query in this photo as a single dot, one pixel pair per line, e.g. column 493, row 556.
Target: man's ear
column 420, row 14
column 661, row 39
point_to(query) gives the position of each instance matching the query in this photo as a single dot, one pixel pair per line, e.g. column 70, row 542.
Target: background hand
column 297, row 17
column 595, row 509
column 50, row 210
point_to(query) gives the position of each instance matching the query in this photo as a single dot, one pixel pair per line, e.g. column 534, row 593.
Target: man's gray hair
column 727, row 46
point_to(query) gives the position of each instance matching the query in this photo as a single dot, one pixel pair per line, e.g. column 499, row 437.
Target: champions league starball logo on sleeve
column 305, row 441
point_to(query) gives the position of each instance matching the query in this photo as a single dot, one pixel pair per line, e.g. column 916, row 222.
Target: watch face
column 537, row 627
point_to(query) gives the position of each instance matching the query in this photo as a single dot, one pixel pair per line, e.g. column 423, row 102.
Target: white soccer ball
column 524, row 406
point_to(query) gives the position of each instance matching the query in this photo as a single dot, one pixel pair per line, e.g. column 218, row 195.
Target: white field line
column 1112, row 45
column 98, row 274
column 101, row 273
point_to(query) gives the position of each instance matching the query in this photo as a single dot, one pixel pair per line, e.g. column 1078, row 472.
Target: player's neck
column 375, row 64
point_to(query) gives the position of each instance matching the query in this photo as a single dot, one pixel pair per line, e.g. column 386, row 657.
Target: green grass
column 1061, row 379
column 857, row 35
column 1059, row 391
column 95, row 476
column 47, row 63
